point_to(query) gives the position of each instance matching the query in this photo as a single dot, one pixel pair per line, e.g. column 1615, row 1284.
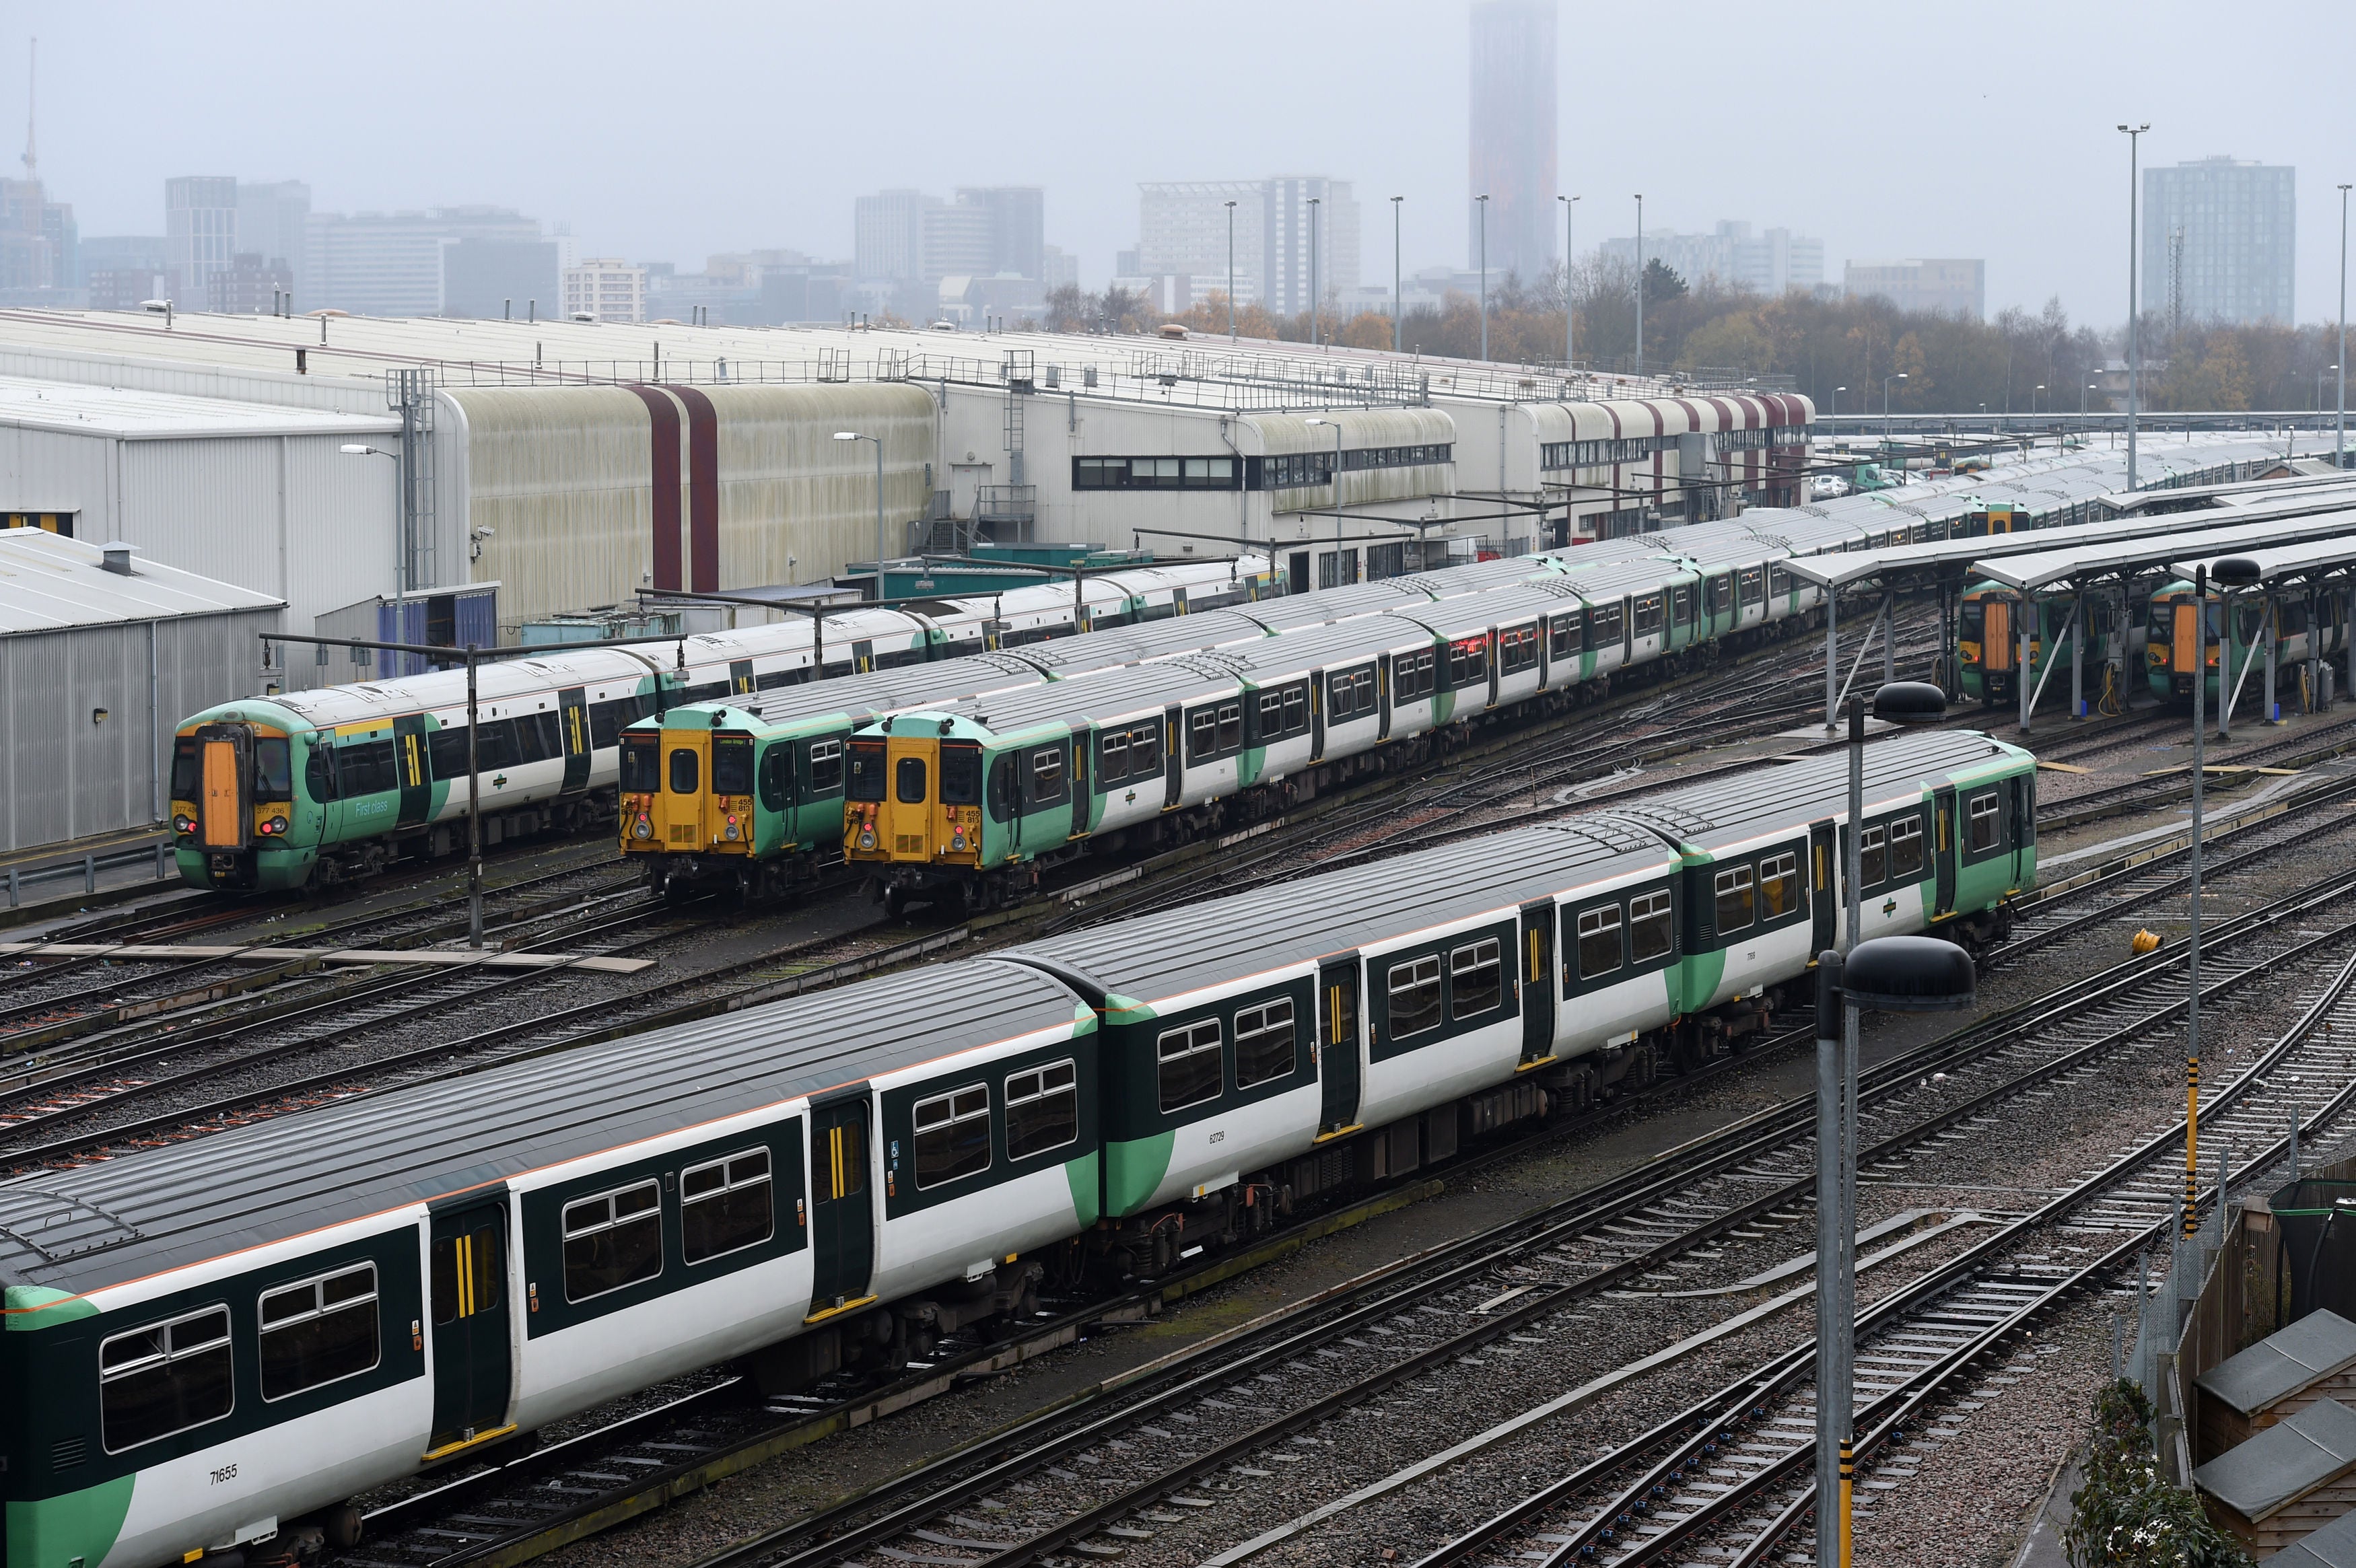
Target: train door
column 1296, row 573
column 863, row 657
column 1178, row 599
column 1383, row 695
column 1337, row 1057
column 1083, row 798
column 1538, row 982
column 1996, row 643
column 843, row 1210
column 686, row 763
column 2184, row 638
column 1317, row 716
column 910, row 766
column 410, row 771
column 1494, row 651
column 1173, row 757
column 2022, row 800
column 467, row 1301
column 1627, row 628
column 572, row 720
column 1942, row 809
column 740, row 677
column 1824, row 887
column 224, row 814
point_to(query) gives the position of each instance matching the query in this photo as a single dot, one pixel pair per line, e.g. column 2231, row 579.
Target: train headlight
column 278, row 825
column 642, row 829
column 867, row 837
column 184, row 824
column 733, row 833
column 957, row 840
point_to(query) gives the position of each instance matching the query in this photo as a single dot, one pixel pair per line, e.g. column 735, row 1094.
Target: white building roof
column 48, row 584
column 133, row 415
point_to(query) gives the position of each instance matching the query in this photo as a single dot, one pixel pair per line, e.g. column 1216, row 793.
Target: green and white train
column 214, row 1346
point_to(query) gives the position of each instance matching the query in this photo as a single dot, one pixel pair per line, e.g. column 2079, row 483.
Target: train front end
column 691, row 813
column 1987, row 643
column 2177, row 633
column 913, row 818
column 241, row 823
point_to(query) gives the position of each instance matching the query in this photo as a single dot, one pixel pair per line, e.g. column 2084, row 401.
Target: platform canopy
column 2280, row 562
column 2154, row 547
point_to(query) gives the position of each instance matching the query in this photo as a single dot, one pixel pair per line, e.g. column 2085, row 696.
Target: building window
column 1154, row 473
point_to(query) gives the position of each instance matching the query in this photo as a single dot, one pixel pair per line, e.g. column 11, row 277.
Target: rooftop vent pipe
column 115, row 556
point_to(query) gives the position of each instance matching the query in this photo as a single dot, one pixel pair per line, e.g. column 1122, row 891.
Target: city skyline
column 638, row 196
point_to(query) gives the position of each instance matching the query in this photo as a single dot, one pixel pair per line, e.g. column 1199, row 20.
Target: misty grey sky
column 665, row 133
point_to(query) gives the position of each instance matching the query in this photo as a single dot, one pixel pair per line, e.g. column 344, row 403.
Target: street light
column 400, row 534
column 2233, row 572
column 2033, row 398
column 1398, row 312
column 855, row 435
column 1885, row 404
column 1892, row 973
column 1484, row 200
column 1569, row 213
column 1640, row 283
column 2135, row 351
column 1836, row 392
column 1231, row 274
column 2081, row 398
column 1314, row 202
column 1337, row 481
column 2340, row 435
column 2320, row 373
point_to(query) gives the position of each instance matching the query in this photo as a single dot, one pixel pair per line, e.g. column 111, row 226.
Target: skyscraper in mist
column 1514, row 136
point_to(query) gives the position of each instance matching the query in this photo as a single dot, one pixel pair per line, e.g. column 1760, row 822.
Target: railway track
column 1743, row 1184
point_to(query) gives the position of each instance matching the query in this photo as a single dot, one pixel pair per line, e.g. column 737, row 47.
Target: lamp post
column 1314, row 202
column 2034, row 397
column 1484, row 200
column 1570, row 215
column 855, row 435
column 1231, row 274
column 1903, row 974
column 1836, row 392
column 1398, row 314
column 1640, row 283
column 2081, row 398
column 2339, row 427
column 2320, row 373
column 1337, row 478
column 401, row 535
column 1886, row 380
column 2134, row 352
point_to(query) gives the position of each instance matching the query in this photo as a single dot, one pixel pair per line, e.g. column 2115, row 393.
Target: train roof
column 1336, row 603
column 1104, row 694
column 115, row 1220
column 1062, row 658
column 862, row 698
column 1226, row 939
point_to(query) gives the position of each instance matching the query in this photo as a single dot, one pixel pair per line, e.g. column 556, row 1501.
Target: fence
column 88, row 868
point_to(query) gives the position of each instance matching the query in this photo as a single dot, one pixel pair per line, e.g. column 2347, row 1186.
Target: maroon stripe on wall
column 662, row 417
column 702, row 488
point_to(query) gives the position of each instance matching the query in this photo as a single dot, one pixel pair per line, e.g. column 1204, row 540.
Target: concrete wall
column 64, row 776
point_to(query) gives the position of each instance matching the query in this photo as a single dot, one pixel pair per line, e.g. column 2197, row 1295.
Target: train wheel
column 896, row 902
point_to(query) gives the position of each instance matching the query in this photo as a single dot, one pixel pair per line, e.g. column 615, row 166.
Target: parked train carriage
column 1628, row 617
column 1988, row 637
column 2311, row 620
column 747, row 795
column 253, row 1327
column 237, row 1334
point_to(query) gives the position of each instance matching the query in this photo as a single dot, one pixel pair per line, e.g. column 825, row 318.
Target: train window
column 1264, row 1043
column 1736, row 904
column 1043, row 1110
column 318, row 775
column 1112, row 758
column 494, row 747
column 1872, row 859
column 777, row 775
column 866, row 770
column 1412, row 674
column 1906, row 849
column 908, row 780
column 1414, row 996
column 1719, row 593
column 1188, row 1061
column 641, row 763
column 1681, row 604
column 1986, row 827
column 1145, row 751
column 1598, row 940
column 364, row 769
column 1778, row 582
column 825, row 766
column 1001, row 794
column 1476, row 979
column 608, row 719
column 686, row 770
column 480, row 1252
column 164, row 1379
column 1779, row 884
column 725, row 1206
column 1648, row 614
column 1517, row 649
column 612, row 1239
column 1563, row 636
column 185, row 771
column 445, row 753
column 1231, row 728
column 1269, row 716
column 731, row 765
column 539, row 736
column 1750, row 586
column 1201, row 735
column 1603, row 624
column 1295, row 707
column 1467, row 662
column 319, row 1331
column 1047, row 775
column 960, row 774
column 1973, row 622
column 273, row 771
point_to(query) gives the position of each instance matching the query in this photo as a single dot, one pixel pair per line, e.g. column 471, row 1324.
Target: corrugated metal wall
column 796, row 503
column 43, row 470
column 1361, row 428
column 560, row 475
column 63, row 776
